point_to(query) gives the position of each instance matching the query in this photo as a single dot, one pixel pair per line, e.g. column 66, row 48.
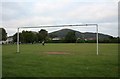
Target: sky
column 23, row 13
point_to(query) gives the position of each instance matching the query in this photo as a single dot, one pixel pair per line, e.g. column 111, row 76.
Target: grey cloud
column 70, row 12
column 15, row 10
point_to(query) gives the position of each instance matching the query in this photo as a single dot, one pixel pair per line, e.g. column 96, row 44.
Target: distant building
column 9, row 40
column 3, row 42
column 56, row 38
column 90, row 39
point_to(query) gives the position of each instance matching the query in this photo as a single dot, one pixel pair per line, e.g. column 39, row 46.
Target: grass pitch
column 82, row 61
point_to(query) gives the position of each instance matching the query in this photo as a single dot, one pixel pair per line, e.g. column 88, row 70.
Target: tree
column 15, row 37
column 70, row 37
column 26, row 37
column 31, row 37
column 3, row 33
column 42, row 35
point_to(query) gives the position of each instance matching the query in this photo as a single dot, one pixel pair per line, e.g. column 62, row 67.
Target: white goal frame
column 18, row 48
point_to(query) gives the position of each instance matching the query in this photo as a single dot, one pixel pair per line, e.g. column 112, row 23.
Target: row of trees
column 42, row 35
column 110, row 40
column 31, row 37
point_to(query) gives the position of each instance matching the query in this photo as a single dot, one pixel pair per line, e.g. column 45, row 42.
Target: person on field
column 43, row 43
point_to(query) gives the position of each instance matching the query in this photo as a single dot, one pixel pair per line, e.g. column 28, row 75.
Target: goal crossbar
column 47, row 26
column 43, row 26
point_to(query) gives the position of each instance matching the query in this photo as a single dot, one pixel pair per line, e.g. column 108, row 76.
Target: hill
column 87, row 35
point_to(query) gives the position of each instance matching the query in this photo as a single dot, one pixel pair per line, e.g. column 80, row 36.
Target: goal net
column 78, row 25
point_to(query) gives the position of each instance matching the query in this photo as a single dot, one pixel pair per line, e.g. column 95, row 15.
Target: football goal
column 78, row 25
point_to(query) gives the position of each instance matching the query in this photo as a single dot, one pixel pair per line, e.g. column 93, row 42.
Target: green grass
column 81, row 61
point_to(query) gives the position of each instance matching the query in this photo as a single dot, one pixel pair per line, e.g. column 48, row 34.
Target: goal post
column 18, row 48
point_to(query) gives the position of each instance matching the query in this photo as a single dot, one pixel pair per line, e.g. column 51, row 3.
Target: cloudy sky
column 15, row 13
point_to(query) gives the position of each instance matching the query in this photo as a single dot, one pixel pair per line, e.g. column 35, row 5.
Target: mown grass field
column 82, row 61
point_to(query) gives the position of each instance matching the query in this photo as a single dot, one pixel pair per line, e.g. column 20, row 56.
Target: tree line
column 31, row 37
column 43, row 35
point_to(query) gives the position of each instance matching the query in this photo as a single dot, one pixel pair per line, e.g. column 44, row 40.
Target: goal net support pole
column 97, row 38
column 18, row 41
column 18, row 48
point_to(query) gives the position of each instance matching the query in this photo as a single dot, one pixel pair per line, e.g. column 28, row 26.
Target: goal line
column 42, row 26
